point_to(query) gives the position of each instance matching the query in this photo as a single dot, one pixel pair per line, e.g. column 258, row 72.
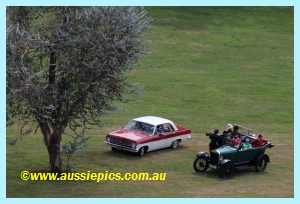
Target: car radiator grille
column 121, row 142
column 214, row 158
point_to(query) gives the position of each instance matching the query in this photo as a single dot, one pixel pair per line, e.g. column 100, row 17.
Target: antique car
column 227, row 158
column 146, row 134
column 217, row 140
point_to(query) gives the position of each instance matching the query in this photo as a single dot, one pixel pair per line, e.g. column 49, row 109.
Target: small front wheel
column 226, row 170
column 201, row 164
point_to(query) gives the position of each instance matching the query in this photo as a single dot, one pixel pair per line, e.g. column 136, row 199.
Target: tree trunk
column 54, row 152
column 52, row 142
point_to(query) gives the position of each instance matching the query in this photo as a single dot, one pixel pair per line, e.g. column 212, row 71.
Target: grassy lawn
column 208, row 66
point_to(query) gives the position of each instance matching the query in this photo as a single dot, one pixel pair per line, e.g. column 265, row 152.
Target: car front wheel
column 141, row 152
column 200, row 164
column 261, row 164
column 226, row 170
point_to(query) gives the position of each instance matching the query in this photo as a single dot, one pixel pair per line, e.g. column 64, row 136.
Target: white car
column 146, row 134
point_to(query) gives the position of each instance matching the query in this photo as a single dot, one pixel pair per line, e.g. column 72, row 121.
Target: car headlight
column 108, row 139
column 206, row 154
column 220, row 158
column 133, row 145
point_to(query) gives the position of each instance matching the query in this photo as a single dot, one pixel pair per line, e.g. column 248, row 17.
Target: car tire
column 201, row 164
column 261, row 164
column 174, row 144
column 113, row 149
column 141, row 152
column 226, row 170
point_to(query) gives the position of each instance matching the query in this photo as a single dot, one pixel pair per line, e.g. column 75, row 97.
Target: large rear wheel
column 261, row 164
column 174, row 144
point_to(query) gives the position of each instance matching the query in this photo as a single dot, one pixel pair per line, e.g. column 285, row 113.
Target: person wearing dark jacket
column 235, row 132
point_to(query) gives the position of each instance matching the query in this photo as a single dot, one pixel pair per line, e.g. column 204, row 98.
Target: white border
column 5, row 3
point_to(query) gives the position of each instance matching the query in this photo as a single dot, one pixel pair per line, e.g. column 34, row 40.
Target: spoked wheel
column 174, row 144
column 261, row 164
column 141, row 152
column 201, row 164
column 226, row 170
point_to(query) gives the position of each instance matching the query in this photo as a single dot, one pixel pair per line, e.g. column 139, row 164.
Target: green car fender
column 225, row 161
column 205, row 154
column 263, row 155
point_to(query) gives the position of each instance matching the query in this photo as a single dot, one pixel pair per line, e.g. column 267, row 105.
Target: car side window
column 167, row 128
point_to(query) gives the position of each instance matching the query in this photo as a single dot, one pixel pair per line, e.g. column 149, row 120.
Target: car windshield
column 141, row 127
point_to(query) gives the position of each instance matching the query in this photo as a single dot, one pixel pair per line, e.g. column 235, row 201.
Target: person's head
column 229, row 127
column 260, row 135
column 236, row 136
column 216, row 131
column 236, row 128
column 247, row 140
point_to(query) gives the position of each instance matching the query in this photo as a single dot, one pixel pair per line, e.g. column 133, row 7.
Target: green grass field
column 208, row 66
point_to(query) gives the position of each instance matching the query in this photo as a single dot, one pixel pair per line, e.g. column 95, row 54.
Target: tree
column 66, row 65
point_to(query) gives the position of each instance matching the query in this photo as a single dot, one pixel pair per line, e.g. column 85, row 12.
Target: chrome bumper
column 120, row 147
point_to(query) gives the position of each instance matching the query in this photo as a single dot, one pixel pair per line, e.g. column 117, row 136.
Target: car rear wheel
column 261, row 164
column 201, row 164
column 141, row 152
column 174, row 144
column 226, row 170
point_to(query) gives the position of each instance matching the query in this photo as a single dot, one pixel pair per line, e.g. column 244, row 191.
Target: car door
column 246, row 155
column 169, row 135
column 157, row 142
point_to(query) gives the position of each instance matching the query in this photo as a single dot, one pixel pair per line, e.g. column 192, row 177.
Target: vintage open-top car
column 146, row 134
column 227, row 158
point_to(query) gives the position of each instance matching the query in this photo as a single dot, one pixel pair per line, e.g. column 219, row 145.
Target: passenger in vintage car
column 236, row 141
column 228, row 129
column 259, row 141
column 235, row 132
column 247, row 144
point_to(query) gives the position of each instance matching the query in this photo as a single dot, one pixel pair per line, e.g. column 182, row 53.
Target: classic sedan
column 146, row 134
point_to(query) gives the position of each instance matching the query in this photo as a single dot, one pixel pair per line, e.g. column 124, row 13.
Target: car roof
column 154, row 120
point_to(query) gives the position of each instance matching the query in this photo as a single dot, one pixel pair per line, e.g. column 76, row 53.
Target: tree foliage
column 66, row 65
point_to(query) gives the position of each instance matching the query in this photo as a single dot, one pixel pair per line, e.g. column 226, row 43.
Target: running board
column 243, row 167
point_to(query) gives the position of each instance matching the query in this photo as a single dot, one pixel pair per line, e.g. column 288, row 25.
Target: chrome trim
column 122, row 147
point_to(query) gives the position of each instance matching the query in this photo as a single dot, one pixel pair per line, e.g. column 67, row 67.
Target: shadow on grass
column 132, row 155
column 240, row 175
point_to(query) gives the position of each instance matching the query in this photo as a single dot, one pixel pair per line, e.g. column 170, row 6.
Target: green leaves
column 66, row 65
